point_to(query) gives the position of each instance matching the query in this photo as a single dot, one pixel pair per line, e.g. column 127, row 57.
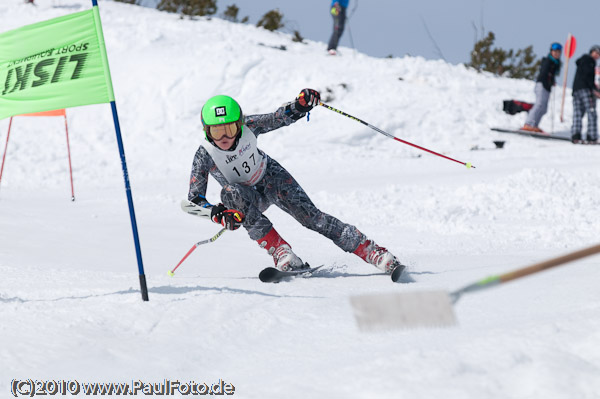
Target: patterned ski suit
column 276, row 186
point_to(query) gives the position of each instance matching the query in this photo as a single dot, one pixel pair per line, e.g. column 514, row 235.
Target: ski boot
column 283, row 256
column 381, row 258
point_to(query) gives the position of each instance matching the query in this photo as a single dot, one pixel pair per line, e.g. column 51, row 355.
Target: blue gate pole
column 113, row 105
column 136, row 239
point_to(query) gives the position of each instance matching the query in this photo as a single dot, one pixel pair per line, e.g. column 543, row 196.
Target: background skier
column 338, row 12
column 549, row 68
column 252, row 181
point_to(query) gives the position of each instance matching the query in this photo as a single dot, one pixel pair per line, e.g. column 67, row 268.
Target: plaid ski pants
column 584, row 101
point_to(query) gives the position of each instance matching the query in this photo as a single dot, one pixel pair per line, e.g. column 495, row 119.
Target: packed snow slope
column 69, row 297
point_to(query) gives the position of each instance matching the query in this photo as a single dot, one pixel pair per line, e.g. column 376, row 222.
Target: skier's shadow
column 67, row 6
column 170, row 290
column 404, row 279
column 163, row 290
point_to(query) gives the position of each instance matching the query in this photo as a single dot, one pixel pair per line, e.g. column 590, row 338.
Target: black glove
column 231, row 219
column 307, row 99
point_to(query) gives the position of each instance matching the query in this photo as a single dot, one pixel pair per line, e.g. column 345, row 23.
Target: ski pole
column 467, row 164
column 553, row 106
column 526, row 271
column 435, row 308
column 196, row 245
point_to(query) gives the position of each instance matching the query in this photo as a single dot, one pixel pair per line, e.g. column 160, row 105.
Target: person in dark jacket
column 549, row 68
column 338, row 12
column 584, row 96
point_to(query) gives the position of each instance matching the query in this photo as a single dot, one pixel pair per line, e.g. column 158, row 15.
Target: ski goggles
column 556, row 46
column 229, row 130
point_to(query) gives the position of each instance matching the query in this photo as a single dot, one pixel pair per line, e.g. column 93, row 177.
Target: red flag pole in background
column 58, row 112
column 569, row 51
column 5, row 147
column 69, row 155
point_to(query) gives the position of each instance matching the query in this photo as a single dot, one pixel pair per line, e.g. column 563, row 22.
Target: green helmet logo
column 220, row 111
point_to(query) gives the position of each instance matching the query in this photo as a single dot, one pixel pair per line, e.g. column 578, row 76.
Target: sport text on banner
column 59, row 63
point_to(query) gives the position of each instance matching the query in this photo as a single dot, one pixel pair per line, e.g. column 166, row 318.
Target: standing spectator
column 549, row 68
column 584, row 96
column 338, row 12
column 597, row 75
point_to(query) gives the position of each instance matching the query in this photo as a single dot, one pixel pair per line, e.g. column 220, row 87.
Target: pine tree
column 271, row 20
column 189, row 7
column 521, row 64
column 231, row 13
column 297, row 37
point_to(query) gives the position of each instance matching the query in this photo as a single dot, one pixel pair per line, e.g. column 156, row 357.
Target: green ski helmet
column 222, row 116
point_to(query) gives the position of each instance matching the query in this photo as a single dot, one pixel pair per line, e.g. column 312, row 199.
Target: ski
column 273, row 275
column 532, row 134
column 397, row 273
column 193, row 209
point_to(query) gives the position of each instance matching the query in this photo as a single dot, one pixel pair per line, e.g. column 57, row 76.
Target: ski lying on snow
column 532, row 134
column 273, row 275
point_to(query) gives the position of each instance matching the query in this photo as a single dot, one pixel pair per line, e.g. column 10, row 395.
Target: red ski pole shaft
column 467, row 164
column 196, row 245
column 69, row 156
column 5, row 147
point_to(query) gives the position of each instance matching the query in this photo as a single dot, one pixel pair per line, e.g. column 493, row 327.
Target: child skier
column 252, row 181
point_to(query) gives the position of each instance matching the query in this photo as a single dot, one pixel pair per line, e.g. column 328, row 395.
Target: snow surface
column 69, row 296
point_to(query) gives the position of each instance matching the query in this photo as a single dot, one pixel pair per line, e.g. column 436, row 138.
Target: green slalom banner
column 62, row 63
column 59, row 63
